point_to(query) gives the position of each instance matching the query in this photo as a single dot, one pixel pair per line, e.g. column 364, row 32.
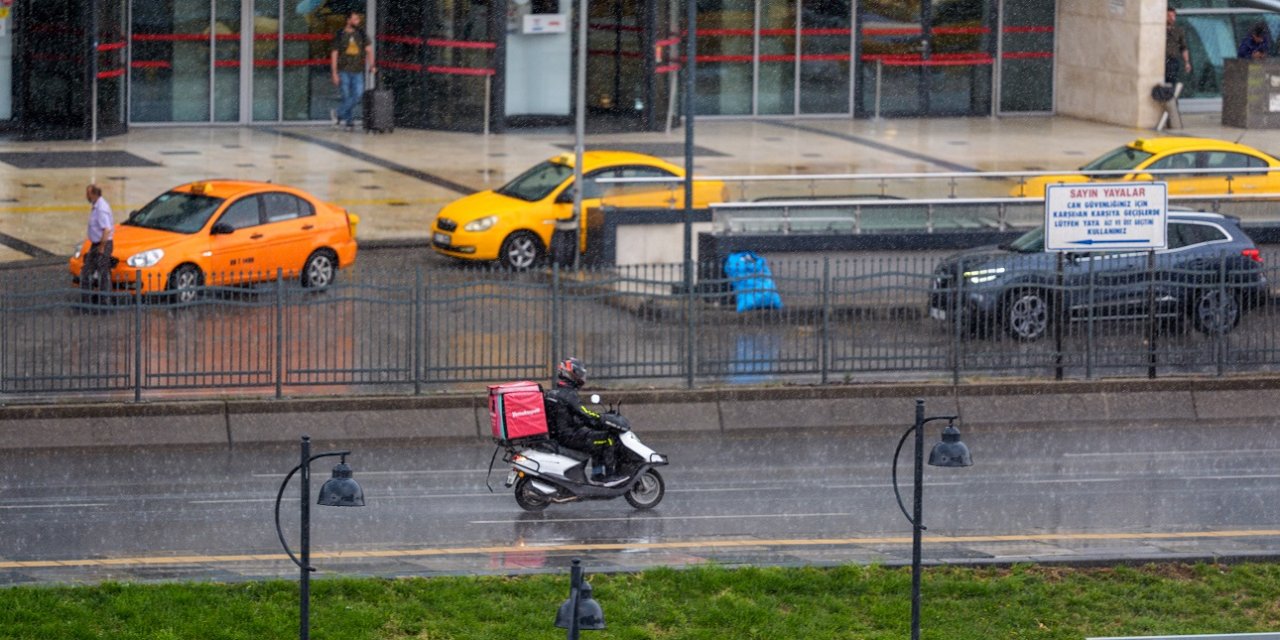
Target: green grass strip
column 866, row 603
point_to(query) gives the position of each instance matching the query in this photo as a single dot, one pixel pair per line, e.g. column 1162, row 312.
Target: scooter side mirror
column 595, row 398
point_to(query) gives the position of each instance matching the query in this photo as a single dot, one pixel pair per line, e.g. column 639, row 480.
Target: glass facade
column 451, row 63
column 1214, row 30
column 232, row 60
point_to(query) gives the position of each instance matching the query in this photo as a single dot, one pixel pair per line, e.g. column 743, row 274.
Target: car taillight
column 1252, row 254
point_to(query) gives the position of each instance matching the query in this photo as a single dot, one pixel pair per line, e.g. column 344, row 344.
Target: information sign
column 1106, row 217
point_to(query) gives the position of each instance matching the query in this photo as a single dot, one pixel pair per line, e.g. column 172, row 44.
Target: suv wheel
column 1216, row 312
column 1027, row 314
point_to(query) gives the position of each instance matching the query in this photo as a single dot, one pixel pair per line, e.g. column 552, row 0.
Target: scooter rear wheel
column 647, row 492
column 528, row 498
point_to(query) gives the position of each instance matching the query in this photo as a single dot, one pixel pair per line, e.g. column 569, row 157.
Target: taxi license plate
column 442, row 238
column 511, row 478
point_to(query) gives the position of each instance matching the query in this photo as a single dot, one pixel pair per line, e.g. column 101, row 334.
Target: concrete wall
column 889, row 408
column 655, row 243
column 1110, row 54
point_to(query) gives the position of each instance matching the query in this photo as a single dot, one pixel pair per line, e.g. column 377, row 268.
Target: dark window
column 242, row 213
column 1175, row 162
column 1191, row 234
column 284, row 206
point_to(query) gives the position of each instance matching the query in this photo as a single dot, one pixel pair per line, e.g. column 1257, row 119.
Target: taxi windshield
column 538, row 182
column 176, row 211
column 1125, row 157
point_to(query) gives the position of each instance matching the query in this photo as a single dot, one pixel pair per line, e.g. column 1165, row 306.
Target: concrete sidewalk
column 397, row 183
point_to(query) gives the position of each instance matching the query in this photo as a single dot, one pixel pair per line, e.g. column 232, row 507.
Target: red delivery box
column 516, row 411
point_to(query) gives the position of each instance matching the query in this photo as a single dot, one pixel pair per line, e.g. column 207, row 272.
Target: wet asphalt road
column 802, row 497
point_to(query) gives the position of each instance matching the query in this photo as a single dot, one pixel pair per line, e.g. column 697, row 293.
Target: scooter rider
column 571, row 424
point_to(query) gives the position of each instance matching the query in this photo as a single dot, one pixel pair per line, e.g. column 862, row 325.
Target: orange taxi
column 228, row 232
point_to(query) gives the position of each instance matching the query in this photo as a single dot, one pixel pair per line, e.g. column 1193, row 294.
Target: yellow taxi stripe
column 630, row 546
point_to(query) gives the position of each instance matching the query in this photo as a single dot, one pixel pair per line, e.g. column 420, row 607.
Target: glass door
column 226, row 61
column 171, row 68
column 826, row 40
column 925, row 57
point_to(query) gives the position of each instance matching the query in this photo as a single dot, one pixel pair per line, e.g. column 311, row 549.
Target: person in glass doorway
column 96, row 274
column 350, row 58
column 1256, row 45
column 573, row 425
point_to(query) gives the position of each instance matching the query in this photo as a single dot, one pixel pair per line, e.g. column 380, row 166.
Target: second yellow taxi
column 1212, row 167
column 513, row 224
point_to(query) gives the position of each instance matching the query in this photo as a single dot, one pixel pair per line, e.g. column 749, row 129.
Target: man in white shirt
column 96, row 272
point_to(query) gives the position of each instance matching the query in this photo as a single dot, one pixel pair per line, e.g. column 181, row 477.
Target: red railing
column 439, row 43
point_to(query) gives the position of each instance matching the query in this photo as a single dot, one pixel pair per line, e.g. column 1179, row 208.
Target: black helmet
column 571, row 371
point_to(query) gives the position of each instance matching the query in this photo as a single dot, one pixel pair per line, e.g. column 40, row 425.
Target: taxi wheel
column 319, row 270
column 521, row 250
column 184, row 283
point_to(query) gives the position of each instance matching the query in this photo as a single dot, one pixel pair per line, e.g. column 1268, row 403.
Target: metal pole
column 575, row 589
column 1151, row 314
column 879, row 76
column 279, row 333
column 418, row 347
column 137, row 337
column 916, row 527
column 488, row 81
column 690, row 71
column 304, row 597
column 580, row 130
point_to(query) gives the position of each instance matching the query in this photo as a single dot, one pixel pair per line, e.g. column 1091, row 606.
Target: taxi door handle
column 255, row 236
column 308, row 227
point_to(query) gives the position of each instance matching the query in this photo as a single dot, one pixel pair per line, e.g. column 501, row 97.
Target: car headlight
column 983, row 275
column 481, row 224
column 146, row 258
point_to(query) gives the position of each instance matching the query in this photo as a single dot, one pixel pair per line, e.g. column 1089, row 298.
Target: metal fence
column 453, row 328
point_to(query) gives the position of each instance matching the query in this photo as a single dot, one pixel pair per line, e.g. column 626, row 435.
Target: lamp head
column 951, row 452
column 341, row 490
column 590, row 615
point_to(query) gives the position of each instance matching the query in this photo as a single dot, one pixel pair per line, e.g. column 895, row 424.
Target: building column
column 1110, row 55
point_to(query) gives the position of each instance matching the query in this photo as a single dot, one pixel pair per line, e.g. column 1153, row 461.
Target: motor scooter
column 545, row 472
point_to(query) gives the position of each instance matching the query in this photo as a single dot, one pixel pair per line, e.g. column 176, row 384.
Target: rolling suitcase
column 379, row 108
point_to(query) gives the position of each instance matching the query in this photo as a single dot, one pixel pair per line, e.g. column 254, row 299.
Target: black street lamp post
column 341, row 490
column 951, row 452
column 580, row 611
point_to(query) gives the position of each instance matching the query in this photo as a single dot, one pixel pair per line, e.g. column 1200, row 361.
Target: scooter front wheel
column 647, row 492
column 528, row 498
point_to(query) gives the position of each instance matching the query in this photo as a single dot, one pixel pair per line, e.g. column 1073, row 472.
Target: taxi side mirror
column 222, row 228
column 565, row 197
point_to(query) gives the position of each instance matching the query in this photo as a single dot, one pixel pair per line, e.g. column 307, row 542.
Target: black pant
column 95, row 275
column 1172, row 69
column 598, row 443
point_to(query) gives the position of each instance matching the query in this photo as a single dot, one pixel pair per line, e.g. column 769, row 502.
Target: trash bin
column 751, row 281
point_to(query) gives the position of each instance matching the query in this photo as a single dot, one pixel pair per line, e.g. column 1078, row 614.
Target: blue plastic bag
column 752, row 281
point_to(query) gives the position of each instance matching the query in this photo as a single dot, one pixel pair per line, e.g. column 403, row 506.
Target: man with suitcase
column 350, row 58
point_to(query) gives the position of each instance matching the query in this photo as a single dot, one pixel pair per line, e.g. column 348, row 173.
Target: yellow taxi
column 1217, row 165
column 513, row 223
column 228, row 232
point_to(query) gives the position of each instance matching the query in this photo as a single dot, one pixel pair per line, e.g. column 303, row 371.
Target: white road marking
column 1194, row 452
column 646, row 518
column 55, row 506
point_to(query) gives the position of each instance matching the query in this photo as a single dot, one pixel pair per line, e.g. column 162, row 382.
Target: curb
column 871, row 407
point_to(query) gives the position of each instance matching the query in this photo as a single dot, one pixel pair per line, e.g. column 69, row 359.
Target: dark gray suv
column 1211, row 273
